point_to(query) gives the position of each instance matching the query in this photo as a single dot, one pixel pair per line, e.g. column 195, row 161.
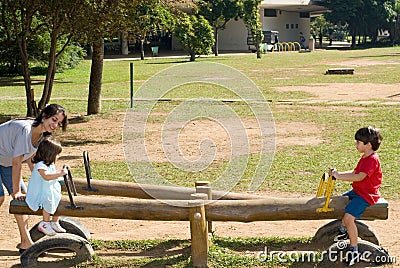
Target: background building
column 288, row 17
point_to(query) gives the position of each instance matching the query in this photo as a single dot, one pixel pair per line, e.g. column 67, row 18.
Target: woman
column 19, row 139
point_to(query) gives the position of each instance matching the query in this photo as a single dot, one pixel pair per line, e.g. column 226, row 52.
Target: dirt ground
column 127, row 229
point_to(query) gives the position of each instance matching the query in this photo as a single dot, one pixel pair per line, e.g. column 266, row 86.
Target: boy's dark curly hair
column 369, row 134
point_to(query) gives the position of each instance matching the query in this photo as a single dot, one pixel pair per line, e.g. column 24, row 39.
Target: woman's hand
column 18, row 196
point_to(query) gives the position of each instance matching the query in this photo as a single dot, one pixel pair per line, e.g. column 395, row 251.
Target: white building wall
column 234, row 36
column 289, row 25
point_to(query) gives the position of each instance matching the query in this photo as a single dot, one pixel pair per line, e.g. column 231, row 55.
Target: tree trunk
column 51, row 70
column 396, row 31
column 96, row 75
column 25, row 17
column 353, row 36
column 258, row 48
column 216, row 40
column 30, row 97
column 124, row 43
column 142, row 49
column 192, row 56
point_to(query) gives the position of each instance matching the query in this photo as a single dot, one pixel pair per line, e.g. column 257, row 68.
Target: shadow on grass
column 181, row 259
column 69, row 157
column 19, row 82
column 162, row 254
column 259, row 244
column 177, row 253
column 4, row 118
column 72, row 143
column 78, row 120
column 168, row 62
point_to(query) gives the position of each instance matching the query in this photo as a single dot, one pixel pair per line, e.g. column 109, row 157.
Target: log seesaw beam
column 267, row 209
column 148, row 191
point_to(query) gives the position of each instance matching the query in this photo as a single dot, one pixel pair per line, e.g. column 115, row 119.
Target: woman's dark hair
column 47, row 151
column 49, row 111
column 369, row 134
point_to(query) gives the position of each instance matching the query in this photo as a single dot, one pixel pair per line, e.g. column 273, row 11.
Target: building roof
column 314, row 7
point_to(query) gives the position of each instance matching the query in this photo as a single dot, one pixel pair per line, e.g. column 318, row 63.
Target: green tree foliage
column 251, row 17
column 219, row 13
column 98, row 19
column 320, row 25
column 145, row 18
column 109, row 18
column 195, row 34
column 18, row 18
column 60, row 19
column 38, row 45
column 42, row 31
column 363, row 17
column 396, row 23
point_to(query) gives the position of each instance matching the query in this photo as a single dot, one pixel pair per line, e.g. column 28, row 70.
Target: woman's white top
column 16, row 140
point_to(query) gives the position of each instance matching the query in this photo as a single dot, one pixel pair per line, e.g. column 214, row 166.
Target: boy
column 367, row 179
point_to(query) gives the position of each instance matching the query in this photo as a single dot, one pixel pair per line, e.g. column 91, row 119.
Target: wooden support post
column 204, row 187
column 198, row 230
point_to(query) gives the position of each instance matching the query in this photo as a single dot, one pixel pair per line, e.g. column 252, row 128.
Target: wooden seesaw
column 198, row 206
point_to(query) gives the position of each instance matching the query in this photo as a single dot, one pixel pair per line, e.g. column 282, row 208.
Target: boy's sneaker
column 352, row 257
column 55, row 225
column 45, row 228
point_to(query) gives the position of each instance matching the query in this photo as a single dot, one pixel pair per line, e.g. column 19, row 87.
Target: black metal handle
column 88, row 172
column 69, row 184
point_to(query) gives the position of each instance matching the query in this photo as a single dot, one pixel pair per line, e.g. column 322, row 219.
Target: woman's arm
column 30, row 164
column 52, row 176
column 16, row 178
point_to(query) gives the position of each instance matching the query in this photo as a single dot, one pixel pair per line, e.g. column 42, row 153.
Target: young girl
column 44, row 190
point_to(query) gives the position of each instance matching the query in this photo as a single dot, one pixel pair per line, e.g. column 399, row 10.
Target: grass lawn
column 296, row 168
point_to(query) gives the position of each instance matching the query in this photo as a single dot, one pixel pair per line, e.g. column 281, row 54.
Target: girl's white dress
column 42, row 193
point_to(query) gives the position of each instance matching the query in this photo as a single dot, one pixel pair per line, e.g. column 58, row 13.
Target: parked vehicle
column 270, row 38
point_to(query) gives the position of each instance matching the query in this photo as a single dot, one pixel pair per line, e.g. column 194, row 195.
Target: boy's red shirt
column 368, row 188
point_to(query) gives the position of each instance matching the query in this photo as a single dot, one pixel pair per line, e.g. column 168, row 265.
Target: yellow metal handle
column 328, row 187
column 322, row 184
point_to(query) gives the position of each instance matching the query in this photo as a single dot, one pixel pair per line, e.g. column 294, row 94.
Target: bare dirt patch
column 349, row 91
column 363, row 63
column 193, row 134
